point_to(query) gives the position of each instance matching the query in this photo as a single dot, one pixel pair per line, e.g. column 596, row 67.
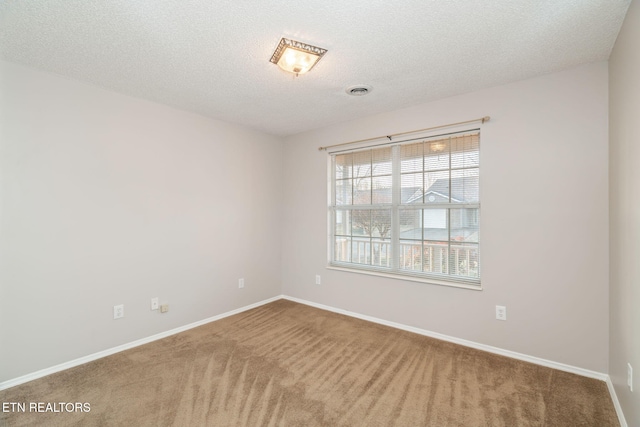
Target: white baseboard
column 466, row 343
column 508, row 353
column 616, row 403
column 85, row 359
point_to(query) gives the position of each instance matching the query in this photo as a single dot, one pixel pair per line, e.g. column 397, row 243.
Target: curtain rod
column 482, row 119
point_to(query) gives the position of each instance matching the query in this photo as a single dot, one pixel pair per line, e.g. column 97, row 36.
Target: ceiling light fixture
column 437, row 147
column 296, row 57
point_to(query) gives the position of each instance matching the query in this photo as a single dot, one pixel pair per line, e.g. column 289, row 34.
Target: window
column 410, row 209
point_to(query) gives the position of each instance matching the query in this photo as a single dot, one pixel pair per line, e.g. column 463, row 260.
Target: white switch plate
column 154, row 303
column 630, row 376
column 318, row 281
column 241, row 283
column 501, row 312
column 164, row 308
column 118, row 311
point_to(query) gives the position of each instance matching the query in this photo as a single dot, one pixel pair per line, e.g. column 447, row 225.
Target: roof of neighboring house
column 463, row 189
column 383, row 195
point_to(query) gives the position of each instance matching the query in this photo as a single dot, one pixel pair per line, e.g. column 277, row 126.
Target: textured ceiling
column 212, row 57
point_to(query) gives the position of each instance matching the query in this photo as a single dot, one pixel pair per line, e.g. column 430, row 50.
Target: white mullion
column 351, row 216
column 371, row 179
column 449, row 216
column 424, row 190
column 418, row 206
column 396, row 189
column 332, row 211
column 366, row 207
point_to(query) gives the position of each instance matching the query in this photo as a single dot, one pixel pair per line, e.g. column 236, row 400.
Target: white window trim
column 431, row 281
column 394, row 272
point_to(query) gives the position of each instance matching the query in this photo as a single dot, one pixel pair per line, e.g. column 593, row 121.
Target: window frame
column 396, row 207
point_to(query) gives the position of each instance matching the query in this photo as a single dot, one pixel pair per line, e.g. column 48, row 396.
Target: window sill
column 431, row 281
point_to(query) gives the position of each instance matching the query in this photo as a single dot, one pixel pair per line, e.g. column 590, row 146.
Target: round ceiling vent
column 358, row 90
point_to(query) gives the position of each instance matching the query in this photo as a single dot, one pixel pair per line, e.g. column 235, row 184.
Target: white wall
column 544, row 221
column 107, row 200
column 624, row 156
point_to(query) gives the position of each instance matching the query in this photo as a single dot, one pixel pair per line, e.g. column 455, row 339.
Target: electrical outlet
column 318, row 281
column 164, row 308
column 241, row 283
column 630, row 376
column 154, row 303
column 118, row 311
column 501, row 312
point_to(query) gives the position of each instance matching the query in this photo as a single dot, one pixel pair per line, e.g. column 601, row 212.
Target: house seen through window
column 409, row 209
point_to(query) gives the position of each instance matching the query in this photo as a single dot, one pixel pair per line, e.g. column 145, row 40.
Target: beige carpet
column 287, row 364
